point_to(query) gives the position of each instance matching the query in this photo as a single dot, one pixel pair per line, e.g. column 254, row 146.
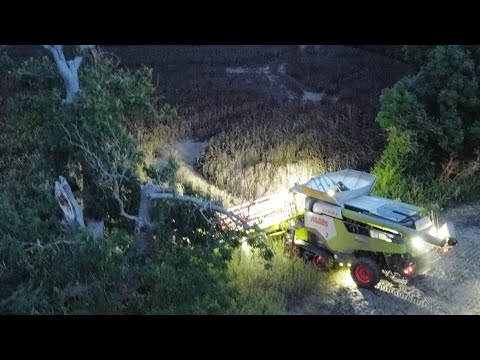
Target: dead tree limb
column 203, row 205
column 116, row 196
column 72, row 211
column 143, row 240
column 68, row 70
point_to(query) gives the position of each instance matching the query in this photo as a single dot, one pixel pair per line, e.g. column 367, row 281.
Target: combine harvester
column 333, row 220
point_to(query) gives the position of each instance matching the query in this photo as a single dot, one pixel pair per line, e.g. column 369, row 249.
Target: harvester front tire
column 366, row 272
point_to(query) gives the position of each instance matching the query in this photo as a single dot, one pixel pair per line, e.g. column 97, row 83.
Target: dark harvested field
column 269, row 114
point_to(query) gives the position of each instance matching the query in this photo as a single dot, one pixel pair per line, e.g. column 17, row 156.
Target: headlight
column 418, row 243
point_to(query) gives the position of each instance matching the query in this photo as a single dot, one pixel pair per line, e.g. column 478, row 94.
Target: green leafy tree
column 47, row 268
column 437, row 109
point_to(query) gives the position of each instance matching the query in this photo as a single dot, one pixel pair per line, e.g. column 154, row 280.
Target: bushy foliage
column 432, row 121
column 273, row 287
column 45, row 269
column 74, row 276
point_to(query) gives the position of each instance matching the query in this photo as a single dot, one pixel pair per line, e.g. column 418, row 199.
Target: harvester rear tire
column 322, row 261
column 297, row 251
column 366, row 272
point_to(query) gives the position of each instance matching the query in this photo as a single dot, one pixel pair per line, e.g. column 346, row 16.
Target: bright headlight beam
column 245, row 247
column 418, row 243
column 344, row 278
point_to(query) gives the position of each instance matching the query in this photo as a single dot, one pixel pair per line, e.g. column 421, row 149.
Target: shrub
column 73, row 275
column 431, row 118
column 45, row 270
column 262, row 287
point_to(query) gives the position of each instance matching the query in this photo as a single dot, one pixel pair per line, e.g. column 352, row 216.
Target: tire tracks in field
column 273, row 80
column 428, row 304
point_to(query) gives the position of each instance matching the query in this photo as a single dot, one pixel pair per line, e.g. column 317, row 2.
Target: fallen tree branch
column 116, row 196
column 155, row 193
column 203, row 205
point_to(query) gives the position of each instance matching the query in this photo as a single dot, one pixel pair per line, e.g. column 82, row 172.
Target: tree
column 432, row 121
column 441, row 102
column 113, row 156
column 68, row 71
column 151, row 233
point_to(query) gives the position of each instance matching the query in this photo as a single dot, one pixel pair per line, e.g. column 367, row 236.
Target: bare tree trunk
column 68, row 70
column 72, row 212
column 96, row 227
column 143, row 240
column 93, row 220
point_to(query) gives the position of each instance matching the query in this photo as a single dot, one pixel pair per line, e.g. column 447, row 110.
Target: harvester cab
column 333, row 220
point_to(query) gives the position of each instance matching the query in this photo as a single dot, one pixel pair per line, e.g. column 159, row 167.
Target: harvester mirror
column 342, row 187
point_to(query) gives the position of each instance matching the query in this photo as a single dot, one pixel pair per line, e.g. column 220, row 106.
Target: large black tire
column 366, row 272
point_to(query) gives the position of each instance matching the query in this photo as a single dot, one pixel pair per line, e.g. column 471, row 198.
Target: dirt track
column 452, row 287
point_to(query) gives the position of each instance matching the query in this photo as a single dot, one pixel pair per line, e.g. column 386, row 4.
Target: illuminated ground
column 453, row 287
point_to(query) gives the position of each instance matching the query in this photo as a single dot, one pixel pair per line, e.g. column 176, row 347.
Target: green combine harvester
column 333, row 220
